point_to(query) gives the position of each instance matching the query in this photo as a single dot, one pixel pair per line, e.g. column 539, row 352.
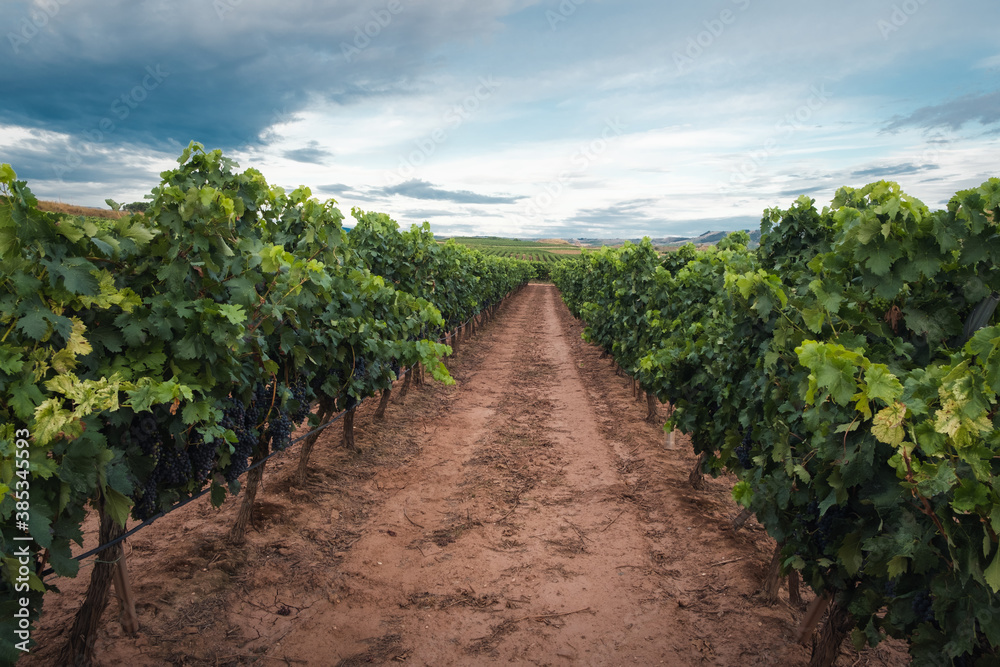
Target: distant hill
column 708, row 238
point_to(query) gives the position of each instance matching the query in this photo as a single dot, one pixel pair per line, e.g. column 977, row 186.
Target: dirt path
column 516, row 496
column 526, row 515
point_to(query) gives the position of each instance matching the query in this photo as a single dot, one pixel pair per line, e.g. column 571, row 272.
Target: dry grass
column 70, row 209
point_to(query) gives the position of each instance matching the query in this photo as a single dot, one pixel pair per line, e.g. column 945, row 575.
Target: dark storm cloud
column 417, row 189
column 220, row 72
column 984, row 109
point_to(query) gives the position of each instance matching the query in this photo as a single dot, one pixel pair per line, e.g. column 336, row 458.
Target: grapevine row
column 847, row 372
column 155, row 355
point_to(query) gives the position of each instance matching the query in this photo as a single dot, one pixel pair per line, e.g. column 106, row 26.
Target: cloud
column 610, row 216
column 49, row 157
column 427, row 214
column 893, row 170
column 226, row 71
column 311, row 154
column 336, row 188
column 984, row 109
column 418, row 189
column 989, row 63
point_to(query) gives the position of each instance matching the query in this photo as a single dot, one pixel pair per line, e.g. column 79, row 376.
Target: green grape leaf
column 992, row 574
column 850, row 554
column 897, row 566
column 969, row 495
column 743, row 493
column 881, row 384
column 117, row 505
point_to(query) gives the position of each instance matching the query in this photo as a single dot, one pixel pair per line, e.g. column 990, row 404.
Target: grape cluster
column 176, row 465
column 821, row 529
column 260, row 404
column 173, row 466
column 279, row 430
column 922, row 607
column 145, row 433
column 300, row 392
column 824, row 529
column 360, row 373
column 889, row 589
column 743, row 452
column 360, row 368
column 243, row 421
column 202, row 457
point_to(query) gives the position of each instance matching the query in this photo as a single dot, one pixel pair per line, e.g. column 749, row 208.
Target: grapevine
column 858, row 345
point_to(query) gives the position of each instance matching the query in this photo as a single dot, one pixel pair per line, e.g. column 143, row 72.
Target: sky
column 518, row 118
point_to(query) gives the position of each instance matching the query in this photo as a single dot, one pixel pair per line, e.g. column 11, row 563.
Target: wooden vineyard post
column 326, row 408
column 126, row 600
column 742, row 518
column 238, row 533
column 813, row 615
column 380, row 412
column 79, row 649
column 349, row 430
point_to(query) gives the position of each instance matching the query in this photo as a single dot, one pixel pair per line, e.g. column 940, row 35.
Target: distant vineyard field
column 549, row 251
